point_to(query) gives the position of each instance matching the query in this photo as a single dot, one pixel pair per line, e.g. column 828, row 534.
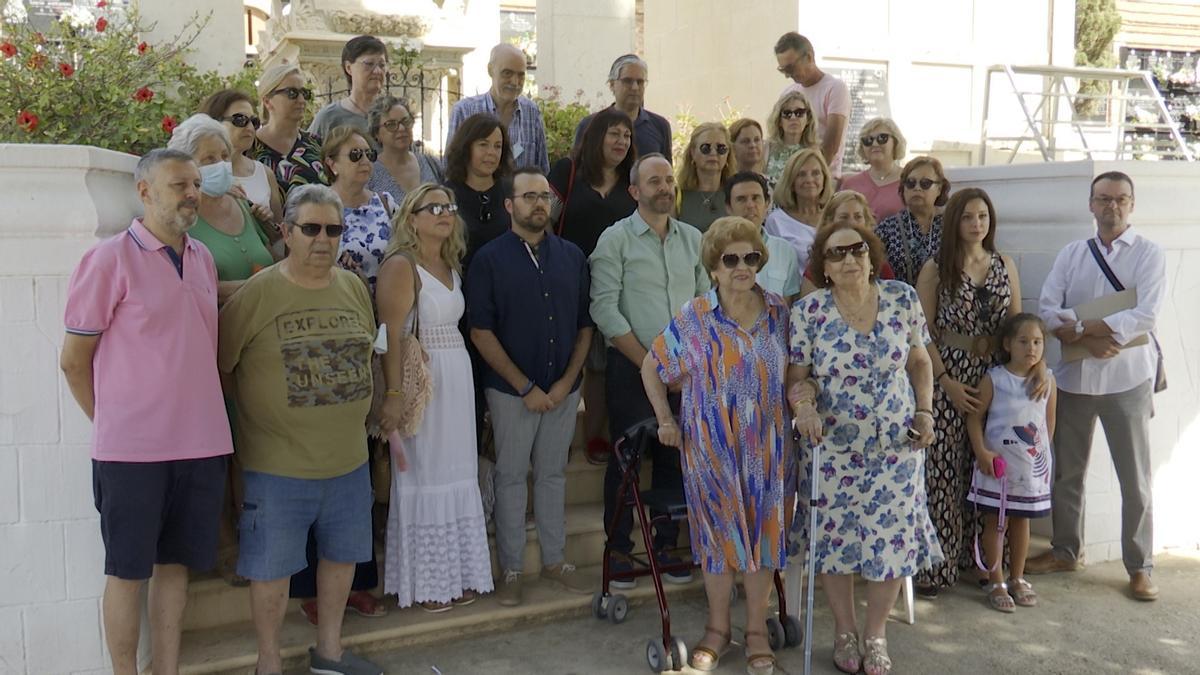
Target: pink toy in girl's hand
column 998, row 466
column 397, row 448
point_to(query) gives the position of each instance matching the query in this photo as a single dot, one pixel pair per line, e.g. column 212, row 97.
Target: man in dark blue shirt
column 528, row 297
column 627, row 79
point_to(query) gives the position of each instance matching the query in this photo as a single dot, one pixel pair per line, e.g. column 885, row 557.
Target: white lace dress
column 437, row 544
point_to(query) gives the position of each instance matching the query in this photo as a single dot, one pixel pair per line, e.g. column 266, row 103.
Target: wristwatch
column 1078, row 328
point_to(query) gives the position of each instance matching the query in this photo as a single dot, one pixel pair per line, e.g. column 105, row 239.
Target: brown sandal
column 709, row 658
column 758, row 663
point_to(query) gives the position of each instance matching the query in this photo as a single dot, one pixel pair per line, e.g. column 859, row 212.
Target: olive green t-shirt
column 301, row 362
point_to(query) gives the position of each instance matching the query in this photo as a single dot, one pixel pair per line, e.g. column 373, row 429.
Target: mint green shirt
column 781, row 274
column 640, row 281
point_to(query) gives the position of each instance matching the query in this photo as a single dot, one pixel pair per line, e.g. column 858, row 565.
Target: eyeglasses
column 437, row 208
column 313, row 229
column 1123, row 200
column 294, row 93
column 535, row 197
column 839, row 253
column 485, row 211
column 925, row 183
column 881, row 139
column 707, row 148
column 631, row 81
column 373, row 65
column 787, row 68
column 392, row 125
column 358, row 153
column 240, row 120
column 731, row 260
column 793, row 112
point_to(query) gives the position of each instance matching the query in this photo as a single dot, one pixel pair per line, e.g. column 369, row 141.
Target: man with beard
column 161, row 439
column 645, row 267
column 528, row 305
column 1115, row 380
column 627, row 79
column 519, row 115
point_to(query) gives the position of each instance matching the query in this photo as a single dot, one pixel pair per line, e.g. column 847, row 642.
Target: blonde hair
column 775, row 120
column 404, row 233
column 845, row 197
column 688, row 178
column 270, row 78
column 785, row 195
column 332, row 144
column 888, row 125
column 728, row 230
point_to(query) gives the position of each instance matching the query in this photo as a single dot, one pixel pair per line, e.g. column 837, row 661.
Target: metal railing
column 1128, row 120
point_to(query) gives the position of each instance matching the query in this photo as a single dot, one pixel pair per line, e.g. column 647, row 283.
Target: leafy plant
column 1097, row 22
column 686, row 122
column 560, row 119
column 92, row 80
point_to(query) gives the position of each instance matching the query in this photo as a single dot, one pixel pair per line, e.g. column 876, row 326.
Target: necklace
column 708, row 200
column 357, row 108
column 862, row 312
column 886, row 177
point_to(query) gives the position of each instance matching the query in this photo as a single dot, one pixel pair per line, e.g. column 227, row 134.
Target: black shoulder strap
column 1108, row 273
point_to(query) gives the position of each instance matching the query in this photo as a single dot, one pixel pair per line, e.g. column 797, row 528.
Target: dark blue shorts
column 159, row 513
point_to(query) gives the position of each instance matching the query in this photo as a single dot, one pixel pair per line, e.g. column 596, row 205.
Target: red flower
column 169, row 123
column 36, row 61
column 27, row 121
column 102, row 4
column 101, row 24
column 143, row 95
column 8, row 49
column 143, row 47
column 66, row 69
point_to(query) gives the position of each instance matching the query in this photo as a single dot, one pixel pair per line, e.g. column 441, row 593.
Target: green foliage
column 99, row 84
column 560, row 119
column 685, row 123
column 1097, row 22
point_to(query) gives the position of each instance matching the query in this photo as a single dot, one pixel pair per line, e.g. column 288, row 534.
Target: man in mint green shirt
column 645, row 267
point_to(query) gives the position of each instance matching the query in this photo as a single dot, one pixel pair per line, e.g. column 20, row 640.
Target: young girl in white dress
column 1018, row 429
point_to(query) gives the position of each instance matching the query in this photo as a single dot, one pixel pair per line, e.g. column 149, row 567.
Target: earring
column 828, row 280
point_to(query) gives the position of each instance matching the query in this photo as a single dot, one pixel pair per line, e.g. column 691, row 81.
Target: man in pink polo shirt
column 828, row 95
column 140, row 357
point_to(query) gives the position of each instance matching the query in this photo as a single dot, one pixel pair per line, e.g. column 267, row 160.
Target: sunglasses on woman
column 240, row 120
column 485, row 208
column 358, row 153
column 708, row 148
column 295, row 92
column 313, row 229
column 839, row 253
column 793, row 112
column 925, row 183
column 731, row 260
column 881, row 139
column 437, row 208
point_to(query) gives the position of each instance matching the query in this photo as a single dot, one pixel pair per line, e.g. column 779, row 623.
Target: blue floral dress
column 368, row 228
column 871, row 514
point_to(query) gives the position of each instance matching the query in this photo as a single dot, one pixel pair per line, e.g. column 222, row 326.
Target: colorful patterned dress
column 871, row 514
column 301, row 166
column 973, row 310
column 738, row 460
column 368, row 229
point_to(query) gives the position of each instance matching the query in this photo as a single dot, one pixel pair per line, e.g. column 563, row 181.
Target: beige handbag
column 416, row 385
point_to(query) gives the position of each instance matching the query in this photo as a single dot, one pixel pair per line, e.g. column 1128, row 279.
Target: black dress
column 586, row 213
column 483, row 213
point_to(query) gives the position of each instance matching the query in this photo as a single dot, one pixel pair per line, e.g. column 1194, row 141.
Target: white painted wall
column 577, row 42
column 221, row 46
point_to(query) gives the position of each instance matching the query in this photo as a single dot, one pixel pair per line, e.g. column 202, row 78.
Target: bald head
column 506, row 66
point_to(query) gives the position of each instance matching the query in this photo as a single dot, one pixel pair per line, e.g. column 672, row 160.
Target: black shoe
column 681, row 576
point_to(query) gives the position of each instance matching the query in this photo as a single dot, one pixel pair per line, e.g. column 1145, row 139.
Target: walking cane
column 814, row 477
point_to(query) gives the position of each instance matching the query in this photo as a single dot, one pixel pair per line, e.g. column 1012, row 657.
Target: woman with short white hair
column 881, row 146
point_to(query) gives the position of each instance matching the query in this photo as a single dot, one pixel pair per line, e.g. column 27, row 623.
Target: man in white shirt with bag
column 1114, row 381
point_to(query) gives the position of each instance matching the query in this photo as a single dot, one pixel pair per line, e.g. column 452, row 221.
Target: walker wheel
column 618, row 608
column 679, row 653
column 598, row 605
column 656, row 656
column 775, row 634
column 792, row 631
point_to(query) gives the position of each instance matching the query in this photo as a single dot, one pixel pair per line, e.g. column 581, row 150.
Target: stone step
column 231, row 648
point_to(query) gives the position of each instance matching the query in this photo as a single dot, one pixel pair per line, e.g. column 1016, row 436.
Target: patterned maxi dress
column 871, row 513
column 738, row 459
column 974, row 310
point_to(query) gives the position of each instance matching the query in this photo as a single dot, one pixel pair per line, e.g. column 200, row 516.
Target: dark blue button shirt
column 651, row 133
column 535, row 309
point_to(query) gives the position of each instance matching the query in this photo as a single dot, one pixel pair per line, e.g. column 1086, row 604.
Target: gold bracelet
column 393, row 392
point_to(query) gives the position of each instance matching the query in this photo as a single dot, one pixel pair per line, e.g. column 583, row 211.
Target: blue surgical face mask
column 216, row 179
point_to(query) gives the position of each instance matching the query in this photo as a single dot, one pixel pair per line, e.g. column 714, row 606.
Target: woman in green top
column 790, row 129
column 238, row 244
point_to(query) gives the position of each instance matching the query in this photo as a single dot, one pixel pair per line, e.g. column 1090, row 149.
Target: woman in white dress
column 437, row 548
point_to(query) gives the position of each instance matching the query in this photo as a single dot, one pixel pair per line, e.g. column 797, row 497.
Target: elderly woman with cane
column 864, row 342
column 728, row 351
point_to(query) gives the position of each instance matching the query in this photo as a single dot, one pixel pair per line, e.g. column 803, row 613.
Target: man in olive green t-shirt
column 294, row 350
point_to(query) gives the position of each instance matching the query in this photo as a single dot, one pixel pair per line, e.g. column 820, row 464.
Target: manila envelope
column 1098, row 309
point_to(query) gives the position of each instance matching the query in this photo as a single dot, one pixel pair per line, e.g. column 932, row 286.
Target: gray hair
column 147, row 166
column 614, row 73
column 380, row 108
column 190, row 132
column 314, row 193
column 795, row 42
column 637, row 165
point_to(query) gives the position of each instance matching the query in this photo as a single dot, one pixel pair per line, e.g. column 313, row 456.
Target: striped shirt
column 525, row 131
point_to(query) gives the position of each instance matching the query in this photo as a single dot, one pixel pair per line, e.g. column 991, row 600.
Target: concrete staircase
column 219, row 638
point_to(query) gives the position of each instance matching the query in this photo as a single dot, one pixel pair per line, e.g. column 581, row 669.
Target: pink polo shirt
column 158, row 394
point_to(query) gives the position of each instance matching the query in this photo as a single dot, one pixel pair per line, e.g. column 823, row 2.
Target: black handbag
column 1160, row 377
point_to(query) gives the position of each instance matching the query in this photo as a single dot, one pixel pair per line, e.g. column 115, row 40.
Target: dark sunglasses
column 437, row 208
column 295, row 92
column 240, row 120
column 313, row 229
column 793, row 112
column 881, row 139
column 708, row 148
column 392, row 125
column 839, row 253
column 925, row 183
column 358, row 153
column 731, row 260
column 485, row 211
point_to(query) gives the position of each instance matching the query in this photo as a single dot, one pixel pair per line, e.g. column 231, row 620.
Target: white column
column 221, row 46
column 578, row 41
